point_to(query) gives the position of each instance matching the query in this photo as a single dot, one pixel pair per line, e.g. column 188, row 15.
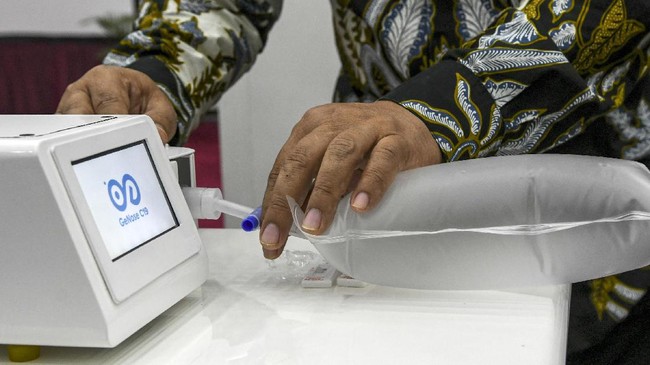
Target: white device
column 96, row 239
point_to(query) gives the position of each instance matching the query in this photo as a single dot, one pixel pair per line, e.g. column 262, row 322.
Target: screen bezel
column 155, row 171
column 141, row 266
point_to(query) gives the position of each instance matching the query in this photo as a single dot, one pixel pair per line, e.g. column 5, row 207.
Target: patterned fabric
column 196, row 49
column 592, row 56
column 487, row 77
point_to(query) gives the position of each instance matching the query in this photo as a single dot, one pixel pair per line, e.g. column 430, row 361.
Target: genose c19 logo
column 121, row 194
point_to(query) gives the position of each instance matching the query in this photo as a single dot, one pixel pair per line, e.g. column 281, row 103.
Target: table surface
column 251, row 311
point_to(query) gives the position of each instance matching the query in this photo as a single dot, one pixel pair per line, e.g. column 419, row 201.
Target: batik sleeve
column 195, row 49
column 533, row 79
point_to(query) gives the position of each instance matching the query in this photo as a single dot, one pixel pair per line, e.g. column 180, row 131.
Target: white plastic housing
column 59, row 285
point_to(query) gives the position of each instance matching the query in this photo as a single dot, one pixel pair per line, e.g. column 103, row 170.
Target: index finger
column 111, row 97
column 75, row 101
column 292, row 174
column 101, row 90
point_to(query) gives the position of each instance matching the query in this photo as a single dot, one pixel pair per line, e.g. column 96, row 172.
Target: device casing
column 52, row 291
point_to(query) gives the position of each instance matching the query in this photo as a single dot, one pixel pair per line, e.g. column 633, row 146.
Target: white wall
column 60, row 17
column 296, row 71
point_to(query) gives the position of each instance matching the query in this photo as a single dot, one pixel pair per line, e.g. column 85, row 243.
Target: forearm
column 196, row 51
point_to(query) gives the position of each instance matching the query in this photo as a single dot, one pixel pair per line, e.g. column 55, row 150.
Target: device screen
column 126, row 197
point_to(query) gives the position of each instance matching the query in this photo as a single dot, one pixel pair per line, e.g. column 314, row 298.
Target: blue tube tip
column 252, row 222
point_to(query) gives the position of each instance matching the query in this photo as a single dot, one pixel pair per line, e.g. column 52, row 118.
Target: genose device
column 96, row 238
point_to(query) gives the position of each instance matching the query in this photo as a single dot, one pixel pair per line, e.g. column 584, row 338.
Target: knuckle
column 278, row 203
column 99, row 68
column 74, row 90
column 376, row 178
column 325, row 189
column 309, row 120
column 298, row 130
column 297, row 160
column 105, row 99
column 316, row 116
column 273, row 175
column 388, row 152
column 317, row 112
column 311, row 113
column 99, row 72
column 71, row 88
column 342, row 147
column 272, row 178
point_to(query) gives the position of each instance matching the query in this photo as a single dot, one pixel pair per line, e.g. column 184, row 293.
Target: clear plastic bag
column 497, row 222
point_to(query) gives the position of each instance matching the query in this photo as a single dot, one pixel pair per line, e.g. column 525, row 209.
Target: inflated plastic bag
column 496, row 223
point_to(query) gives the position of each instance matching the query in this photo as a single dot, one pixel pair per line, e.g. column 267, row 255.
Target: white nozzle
column 208, row 203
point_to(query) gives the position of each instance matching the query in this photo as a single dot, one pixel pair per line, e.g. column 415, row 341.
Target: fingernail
column 312, row 220
column 361, row 200
column 270, row 236
column 271, row 254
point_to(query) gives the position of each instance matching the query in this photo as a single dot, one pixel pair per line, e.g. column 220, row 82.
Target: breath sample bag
column 496, row 223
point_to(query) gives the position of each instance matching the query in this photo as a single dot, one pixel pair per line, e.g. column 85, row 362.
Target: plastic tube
column 252, row 221
column 208, row 203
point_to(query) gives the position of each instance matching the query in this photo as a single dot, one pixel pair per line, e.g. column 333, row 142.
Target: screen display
column 126, row 198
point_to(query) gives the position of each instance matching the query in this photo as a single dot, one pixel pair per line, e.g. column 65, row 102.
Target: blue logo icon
column 123, row 194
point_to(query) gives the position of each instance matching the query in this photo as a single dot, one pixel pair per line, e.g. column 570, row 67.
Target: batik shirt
column 487, row 77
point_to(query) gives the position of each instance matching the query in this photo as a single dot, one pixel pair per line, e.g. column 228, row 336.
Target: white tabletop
column 252, row 312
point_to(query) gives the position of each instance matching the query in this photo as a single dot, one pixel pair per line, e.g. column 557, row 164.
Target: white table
column 250, row 312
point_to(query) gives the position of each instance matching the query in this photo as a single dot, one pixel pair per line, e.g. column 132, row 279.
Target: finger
column 101, row 90
column 273, row 254
column 291, row 176
column 269, row 241
column 354, row 181
column 304, row 127
column 343, row 156
column 110, row 96
column 299, row 131
column 74, row 101
column 164, row 137
column 126, row 91
column 161, row 111
column 386, row 161
column 270, row 237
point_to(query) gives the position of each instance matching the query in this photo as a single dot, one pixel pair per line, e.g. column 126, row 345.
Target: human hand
column 117, row 90
column 342, row 148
